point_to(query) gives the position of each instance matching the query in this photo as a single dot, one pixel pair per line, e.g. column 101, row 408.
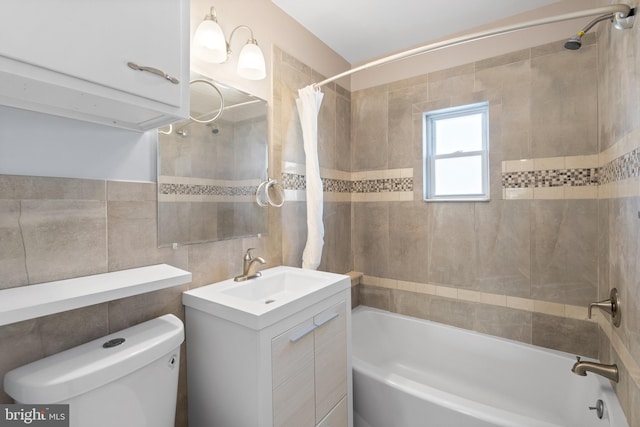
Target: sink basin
column 263, row 301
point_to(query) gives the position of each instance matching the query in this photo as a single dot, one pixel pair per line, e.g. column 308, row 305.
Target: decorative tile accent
column 205, row 190
column 382, row 185
column 292, row 181
column 551, row 178
column 624, row 167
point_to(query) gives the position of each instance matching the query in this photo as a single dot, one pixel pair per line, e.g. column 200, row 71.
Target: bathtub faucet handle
column 611, row 306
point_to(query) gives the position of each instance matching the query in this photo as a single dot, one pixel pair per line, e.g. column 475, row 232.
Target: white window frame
column 429, row 145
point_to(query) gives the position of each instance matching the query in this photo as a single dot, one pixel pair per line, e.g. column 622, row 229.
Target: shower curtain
column 308, row 102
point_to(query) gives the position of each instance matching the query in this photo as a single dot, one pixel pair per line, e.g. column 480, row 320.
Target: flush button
column 113, row 343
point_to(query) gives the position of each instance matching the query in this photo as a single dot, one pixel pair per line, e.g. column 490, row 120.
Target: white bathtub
column 415, row 373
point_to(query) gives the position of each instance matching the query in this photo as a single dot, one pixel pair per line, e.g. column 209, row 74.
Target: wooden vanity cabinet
column 309, row 371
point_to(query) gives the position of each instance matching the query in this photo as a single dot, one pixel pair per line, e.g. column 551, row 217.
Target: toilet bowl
column 126, row 379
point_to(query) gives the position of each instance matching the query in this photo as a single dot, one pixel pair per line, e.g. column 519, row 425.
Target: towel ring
column 217, row 116
column 269, row 192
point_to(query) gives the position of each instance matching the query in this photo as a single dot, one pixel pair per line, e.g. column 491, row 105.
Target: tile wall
column 334, row 151
column 57, row 228
column 619, row 203
column 560, row 227
column 514, row 267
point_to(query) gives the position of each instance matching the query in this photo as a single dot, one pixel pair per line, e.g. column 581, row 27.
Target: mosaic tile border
column 551, row 178
column 205, row 190
column 624, row 167
column 291, row 181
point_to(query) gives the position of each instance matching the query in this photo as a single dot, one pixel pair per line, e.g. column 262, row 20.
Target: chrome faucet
column 607, row 371
column 249, row 267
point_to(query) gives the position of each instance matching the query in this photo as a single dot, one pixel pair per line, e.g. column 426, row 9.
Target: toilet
column 126, row 379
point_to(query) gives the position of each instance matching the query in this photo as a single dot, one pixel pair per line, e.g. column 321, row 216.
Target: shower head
column 575, row 42
column 620, row 21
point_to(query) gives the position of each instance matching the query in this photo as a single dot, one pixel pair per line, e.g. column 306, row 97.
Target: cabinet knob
column 152, row 70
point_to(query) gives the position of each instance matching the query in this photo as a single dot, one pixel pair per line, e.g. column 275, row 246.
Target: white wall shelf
column 29, row 302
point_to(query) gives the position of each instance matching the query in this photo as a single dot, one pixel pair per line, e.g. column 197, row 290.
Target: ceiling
column 360, row 30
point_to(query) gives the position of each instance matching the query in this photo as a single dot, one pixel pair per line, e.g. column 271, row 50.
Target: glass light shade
column 251, row 62
column 209, row 42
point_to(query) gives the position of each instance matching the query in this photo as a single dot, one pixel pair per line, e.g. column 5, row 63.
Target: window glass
column 456, row 153
column 462, row 133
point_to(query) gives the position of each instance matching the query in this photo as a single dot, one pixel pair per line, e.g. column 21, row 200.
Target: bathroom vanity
column 272, row 351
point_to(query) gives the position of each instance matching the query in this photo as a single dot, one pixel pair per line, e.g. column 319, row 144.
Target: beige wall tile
column 518, row 193
column 467, row 295
column 63, row 238
column 548, row 193
column 518, row 165
column 547, row 307
column 132, row 239
column 35, row 187
column 369, row 149
column 12, row 252
column 548, row 163
column 370, row 231
column 504, row 322
column 570, row 335
column 520, row 303
column 408, row 241
column 446, row 292
column 504, row 252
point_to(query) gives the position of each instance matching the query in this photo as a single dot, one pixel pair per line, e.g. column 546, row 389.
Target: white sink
column 263, row 301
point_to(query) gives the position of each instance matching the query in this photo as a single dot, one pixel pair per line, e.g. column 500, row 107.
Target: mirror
column 210, row 168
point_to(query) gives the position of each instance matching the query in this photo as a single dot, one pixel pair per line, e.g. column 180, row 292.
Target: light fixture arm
column 251, row 40
column 212, row 15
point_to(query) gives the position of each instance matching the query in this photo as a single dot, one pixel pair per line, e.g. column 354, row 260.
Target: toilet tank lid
column 81, row 369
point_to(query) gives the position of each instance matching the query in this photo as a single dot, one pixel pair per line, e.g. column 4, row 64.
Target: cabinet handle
column 160, row 73
column 326, row 319
column 302, row 333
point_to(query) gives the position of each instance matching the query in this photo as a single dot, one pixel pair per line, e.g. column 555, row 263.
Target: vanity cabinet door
column 330, row 359
column 69, row 56
column 338, row 417
column 309, row 371
column 292, row 357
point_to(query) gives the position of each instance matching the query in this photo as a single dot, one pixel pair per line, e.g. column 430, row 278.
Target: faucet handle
column 610, row 306
column 247, row 255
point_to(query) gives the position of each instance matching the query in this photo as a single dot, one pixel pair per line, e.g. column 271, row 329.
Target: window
column 456, row 151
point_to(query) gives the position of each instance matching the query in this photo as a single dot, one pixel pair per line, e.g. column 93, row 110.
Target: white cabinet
column 309, row 365
column 296, row 372
column 70, row 58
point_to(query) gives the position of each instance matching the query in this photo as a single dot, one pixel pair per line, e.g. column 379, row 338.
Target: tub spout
column 607, row 371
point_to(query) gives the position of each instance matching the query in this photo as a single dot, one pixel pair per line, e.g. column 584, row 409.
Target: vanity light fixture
column 209, row 42
column 211, row 46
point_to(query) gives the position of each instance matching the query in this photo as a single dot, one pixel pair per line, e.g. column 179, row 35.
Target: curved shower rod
column 620, row 10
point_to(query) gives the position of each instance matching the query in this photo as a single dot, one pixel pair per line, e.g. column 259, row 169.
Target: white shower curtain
column 308, row 102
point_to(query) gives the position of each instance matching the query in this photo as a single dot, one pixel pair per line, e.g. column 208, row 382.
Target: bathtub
column 415, row 373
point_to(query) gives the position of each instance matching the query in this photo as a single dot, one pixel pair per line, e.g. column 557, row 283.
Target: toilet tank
column 126, row 379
